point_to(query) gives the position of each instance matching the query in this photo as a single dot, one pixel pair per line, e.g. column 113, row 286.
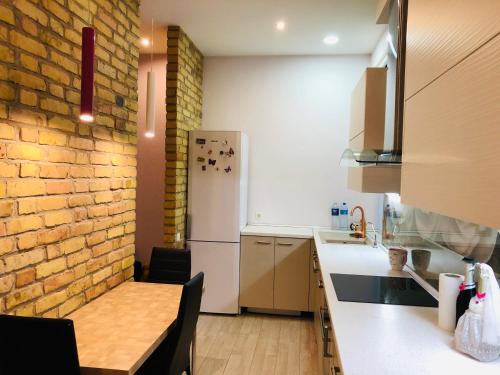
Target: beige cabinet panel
column 441, row 33
column 313, row 269
column 291, row 267
column 368, row 108
column 257, row 272
column 375, row 179
column 451, row 162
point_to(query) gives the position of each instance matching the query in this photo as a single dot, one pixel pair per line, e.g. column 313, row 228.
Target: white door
column 220, row 262
column 214, row 186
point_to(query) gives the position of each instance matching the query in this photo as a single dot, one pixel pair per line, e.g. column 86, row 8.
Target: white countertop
column 375, row 339
column 277, row 231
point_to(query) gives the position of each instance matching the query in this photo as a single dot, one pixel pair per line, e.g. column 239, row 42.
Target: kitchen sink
column 327, row 237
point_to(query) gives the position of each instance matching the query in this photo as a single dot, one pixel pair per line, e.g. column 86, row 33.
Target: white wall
column 295, row 111
column 150, row 162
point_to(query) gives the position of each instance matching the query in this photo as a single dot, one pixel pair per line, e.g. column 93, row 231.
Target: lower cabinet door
column 257, row 272
column 291, row 279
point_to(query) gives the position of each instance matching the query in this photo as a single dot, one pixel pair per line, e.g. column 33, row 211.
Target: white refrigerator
column 217, row 211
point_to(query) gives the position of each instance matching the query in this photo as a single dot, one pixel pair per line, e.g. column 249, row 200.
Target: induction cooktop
column 381, row 290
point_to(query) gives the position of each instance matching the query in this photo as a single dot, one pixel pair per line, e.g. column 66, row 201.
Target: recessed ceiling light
column 331, row 40
column 145, row 42
column 280, row 25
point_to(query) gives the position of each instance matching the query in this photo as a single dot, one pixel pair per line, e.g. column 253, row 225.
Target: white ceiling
column 247, row 27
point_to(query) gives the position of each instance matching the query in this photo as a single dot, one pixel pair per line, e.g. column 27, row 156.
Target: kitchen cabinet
column 328, row 359
column 451, row 137
column 441, row 33
column 257, row 272
column 367, row 131
column 274, row 273
column 313, row 269
column 291, row 274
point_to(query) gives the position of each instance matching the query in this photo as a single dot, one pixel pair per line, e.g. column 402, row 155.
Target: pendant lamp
column 87, row 82
column 151, row 94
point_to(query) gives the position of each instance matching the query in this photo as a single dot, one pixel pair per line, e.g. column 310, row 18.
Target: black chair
column 37, row 346
column 169, row 266
column 172, row 356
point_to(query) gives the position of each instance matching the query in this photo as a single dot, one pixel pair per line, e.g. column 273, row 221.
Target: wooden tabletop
column 118, row 331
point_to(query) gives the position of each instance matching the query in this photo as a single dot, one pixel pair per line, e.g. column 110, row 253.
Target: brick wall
column 67, row 189
column 184, row 103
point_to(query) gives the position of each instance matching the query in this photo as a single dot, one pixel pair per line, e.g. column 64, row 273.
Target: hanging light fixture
column 87, row 81
column 151, row 94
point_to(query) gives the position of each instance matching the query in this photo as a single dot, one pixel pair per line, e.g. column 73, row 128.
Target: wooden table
column 118, row 331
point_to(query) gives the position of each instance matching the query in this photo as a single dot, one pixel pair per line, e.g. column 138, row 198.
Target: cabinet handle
column 315, row 266
column 324, row 332
column 263, row 243
column 284, row 244
column 320, row 284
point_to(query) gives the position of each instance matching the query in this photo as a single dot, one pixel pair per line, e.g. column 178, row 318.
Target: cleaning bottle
column 335, row 216
column 467, row 288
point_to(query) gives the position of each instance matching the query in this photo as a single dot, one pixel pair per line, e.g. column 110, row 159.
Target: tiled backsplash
column 437, row 243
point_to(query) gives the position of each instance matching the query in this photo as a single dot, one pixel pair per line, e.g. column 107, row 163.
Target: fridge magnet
column 209, row 152
column 228, row 169
column 224, row 142
column 203, row 168
column 221, row 153
column 200, row 141
column 214, row 140
column 217, row 169
column 212, row 162
column 231, row 151
column 200, row 159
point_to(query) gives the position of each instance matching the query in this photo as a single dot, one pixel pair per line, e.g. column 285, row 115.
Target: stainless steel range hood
column 370, row 158
column 391, row 155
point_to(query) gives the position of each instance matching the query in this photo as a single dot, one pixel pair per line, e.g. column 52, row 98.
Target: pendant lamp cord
column 152, row 43
column 88, row 5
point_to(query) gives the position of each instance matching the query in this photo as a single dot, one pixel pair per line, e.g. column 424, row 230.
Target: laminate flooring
column 255, row 344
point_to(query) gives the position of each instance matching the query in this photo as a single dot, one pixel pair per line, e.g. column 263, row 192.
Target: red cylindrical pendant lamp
column 87, row 83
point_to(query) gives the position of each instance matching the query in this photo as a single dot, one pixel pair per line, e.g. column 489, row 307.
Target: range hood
column 370, row 158
column 391, row 153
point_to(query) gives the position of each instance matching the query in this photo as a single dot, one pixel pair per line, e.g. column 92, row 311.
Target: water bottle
column 344, row 217
column 335, row 216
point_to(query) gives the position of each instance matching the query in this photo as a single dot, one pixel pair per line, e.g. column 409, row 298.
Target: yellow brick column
column 184, row 107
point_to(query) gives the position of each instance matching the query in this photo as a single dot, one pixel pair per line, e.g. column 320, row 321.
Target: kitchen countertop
column 387, row 339
column 277, row 231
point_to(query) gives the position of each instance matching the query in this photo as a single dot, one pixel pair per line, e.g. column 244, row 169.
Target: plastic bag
column 478, row 330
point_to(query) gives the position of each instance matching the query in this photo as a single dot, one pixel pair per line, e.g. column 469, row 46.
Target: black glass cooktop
column 381, row 289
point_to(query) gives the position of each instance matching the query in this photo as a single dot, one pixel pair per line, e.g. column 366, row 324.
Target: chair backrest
column 37, row 346
column 170, row 266
column 185, row 326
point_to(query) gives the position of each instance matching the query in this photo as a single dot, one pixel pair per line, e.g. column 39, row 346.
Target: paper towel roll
column 448, row 292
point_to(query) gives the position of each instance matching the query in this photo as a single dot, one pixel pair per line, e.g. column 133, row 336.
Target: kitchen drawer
column 257, row 272
column 291, row 278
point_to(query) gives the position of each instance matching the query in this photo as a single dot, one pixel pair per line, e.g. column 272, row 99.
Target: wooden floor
column 255, row 344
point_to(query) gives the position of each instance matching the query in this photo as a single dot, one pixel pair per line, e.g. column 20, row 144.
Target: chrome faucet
column 361, row 233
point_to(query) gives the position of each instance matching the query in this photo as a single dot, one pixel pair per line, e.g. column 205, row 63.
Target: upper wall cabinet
column 441, row 33
column 451, row 163
column 367, row 131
